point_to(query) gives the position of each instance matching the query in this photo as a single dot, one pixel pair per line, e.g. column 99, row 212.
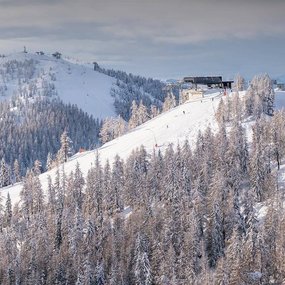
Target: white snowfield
column 75, row 83
column 174, row 126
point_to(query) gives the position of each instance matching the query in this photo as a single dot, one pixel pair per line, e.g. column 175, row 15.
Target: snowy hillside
column 73, row 82
column 174, row 126
column 228, row 181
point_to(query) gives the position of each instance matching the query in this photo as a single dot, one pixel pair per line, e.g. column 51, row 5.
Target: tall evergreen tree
column 4, row 174
column 65, row 149
column 143, row 274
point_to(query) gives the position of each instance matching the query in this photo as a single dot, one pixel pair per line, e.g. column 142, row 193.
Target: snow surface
column 75, row 83
column 174, row 126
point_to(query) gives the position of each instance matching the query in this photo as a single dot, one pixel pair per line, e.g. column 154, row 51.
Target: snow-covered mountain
column 80, row 84
column 75, row 83
column 83, row 91
column 98, row 91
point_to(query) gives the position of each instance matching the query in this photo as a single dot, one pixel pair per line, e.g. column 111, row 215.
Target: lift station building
column 210, row 81
column 195, row 92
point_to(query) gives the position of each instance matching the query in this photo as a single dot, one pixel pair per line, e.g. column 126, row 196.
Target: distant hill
column 100, row 93
column 43, row 95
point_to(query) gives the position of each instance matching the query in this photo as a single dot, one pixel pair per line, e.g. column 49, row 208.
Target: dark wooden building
column 57, row 55
column 227, row 84
column 210, row 81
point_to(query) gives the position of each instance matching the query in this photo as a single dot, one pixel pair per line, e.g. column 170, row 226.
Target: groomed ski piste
column 172, row 127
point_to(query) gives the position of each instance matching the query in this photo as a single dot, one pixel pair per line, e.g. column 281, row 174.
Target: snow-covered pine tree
column 65, row 150
column 239, row 83
column 107, row 130
column 108, row 197
column 100, row 274
column 278, row 136
column 8, row 211
column 221, row 112
column 17, row 171
column 51, row 197
column 112, row 128
column 154, row 111
column 237, row 113
column 142, row 270
column 88, row 271
column 121, row 127
column 259, row 164
column 117, row 183
column 38, row 194
column 37, row 167
column 155, row 176
column 4, row 174
column 215, row 226
column 49, row 164
column 79, row 183
column 142, row 113
column 134, row 120
column 249, row 101
column 93, row 204
column 260, row 96
column 267, row 94
column 169, row 102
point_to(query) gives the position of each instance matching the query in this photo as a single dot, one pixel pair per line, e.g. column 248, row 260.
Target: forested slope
column 182, row 213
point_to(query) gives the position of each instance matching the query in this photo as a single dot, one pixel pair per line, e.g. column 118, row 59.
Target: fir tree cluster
column 115, row 127
column 129, row 88
column 187, row 216
column 23, row 71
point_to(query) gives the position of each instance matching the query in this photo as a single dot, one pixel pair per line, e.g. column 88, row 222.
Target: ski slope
column 174, row 126
column 74, row 82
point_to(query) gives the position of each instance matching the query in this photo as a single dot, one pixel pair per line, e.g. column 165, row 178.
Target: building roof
column 203, row 79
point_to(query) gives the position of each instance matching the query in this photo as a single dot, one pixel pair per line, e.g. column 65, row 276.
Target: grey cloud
column 25, row 2
column 172, row 35
column 160, row 20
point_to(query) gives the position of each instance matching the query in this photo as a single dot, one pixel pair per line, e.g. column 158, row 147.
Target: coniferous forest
column 30, row 130
column 208, row 214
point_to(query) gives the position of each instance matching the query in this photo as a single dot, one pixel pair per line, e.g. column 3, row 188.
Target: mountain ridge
column 72, row 83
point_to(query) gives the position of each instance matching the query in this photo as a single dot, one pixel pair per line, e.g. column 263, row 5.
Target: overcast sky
column 158, row 38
